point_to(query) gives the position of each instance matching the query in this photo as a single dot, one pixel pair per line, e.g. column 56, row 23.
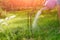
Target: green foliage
column 18, row 29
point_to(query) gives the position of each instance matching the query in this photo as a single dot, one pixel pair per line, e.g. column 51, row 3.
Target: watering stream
column 34, row 24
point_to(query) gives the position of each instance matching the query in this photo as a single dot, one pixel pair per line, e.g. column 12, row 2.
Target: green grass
column 19, row 29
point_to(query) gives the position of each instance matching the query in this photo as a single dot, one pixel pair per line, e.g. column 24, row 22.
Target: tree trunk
column 59, row 13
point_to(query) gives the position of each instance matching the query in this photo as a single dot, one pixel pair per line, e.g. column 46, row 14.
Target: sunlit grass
column 18, row 27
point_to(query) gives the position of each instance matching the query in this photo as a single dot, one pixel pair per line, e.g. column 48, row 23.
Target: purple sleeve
column 58, row 2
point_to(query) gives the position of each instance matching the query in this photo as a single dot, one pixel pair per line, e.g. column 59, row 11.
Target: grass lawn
column 19, row 29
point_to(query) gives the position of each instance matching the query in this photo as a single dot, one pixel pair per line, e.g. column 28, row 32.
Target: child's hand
column 50, row 4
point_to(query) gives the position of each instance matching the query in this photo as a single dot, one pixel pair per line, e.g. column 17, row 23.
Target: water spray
column 4, row 21
column 49, row 4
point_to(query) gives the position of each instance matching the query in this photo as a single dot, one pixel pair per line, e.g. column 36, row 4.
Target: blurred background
column 17, row 16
